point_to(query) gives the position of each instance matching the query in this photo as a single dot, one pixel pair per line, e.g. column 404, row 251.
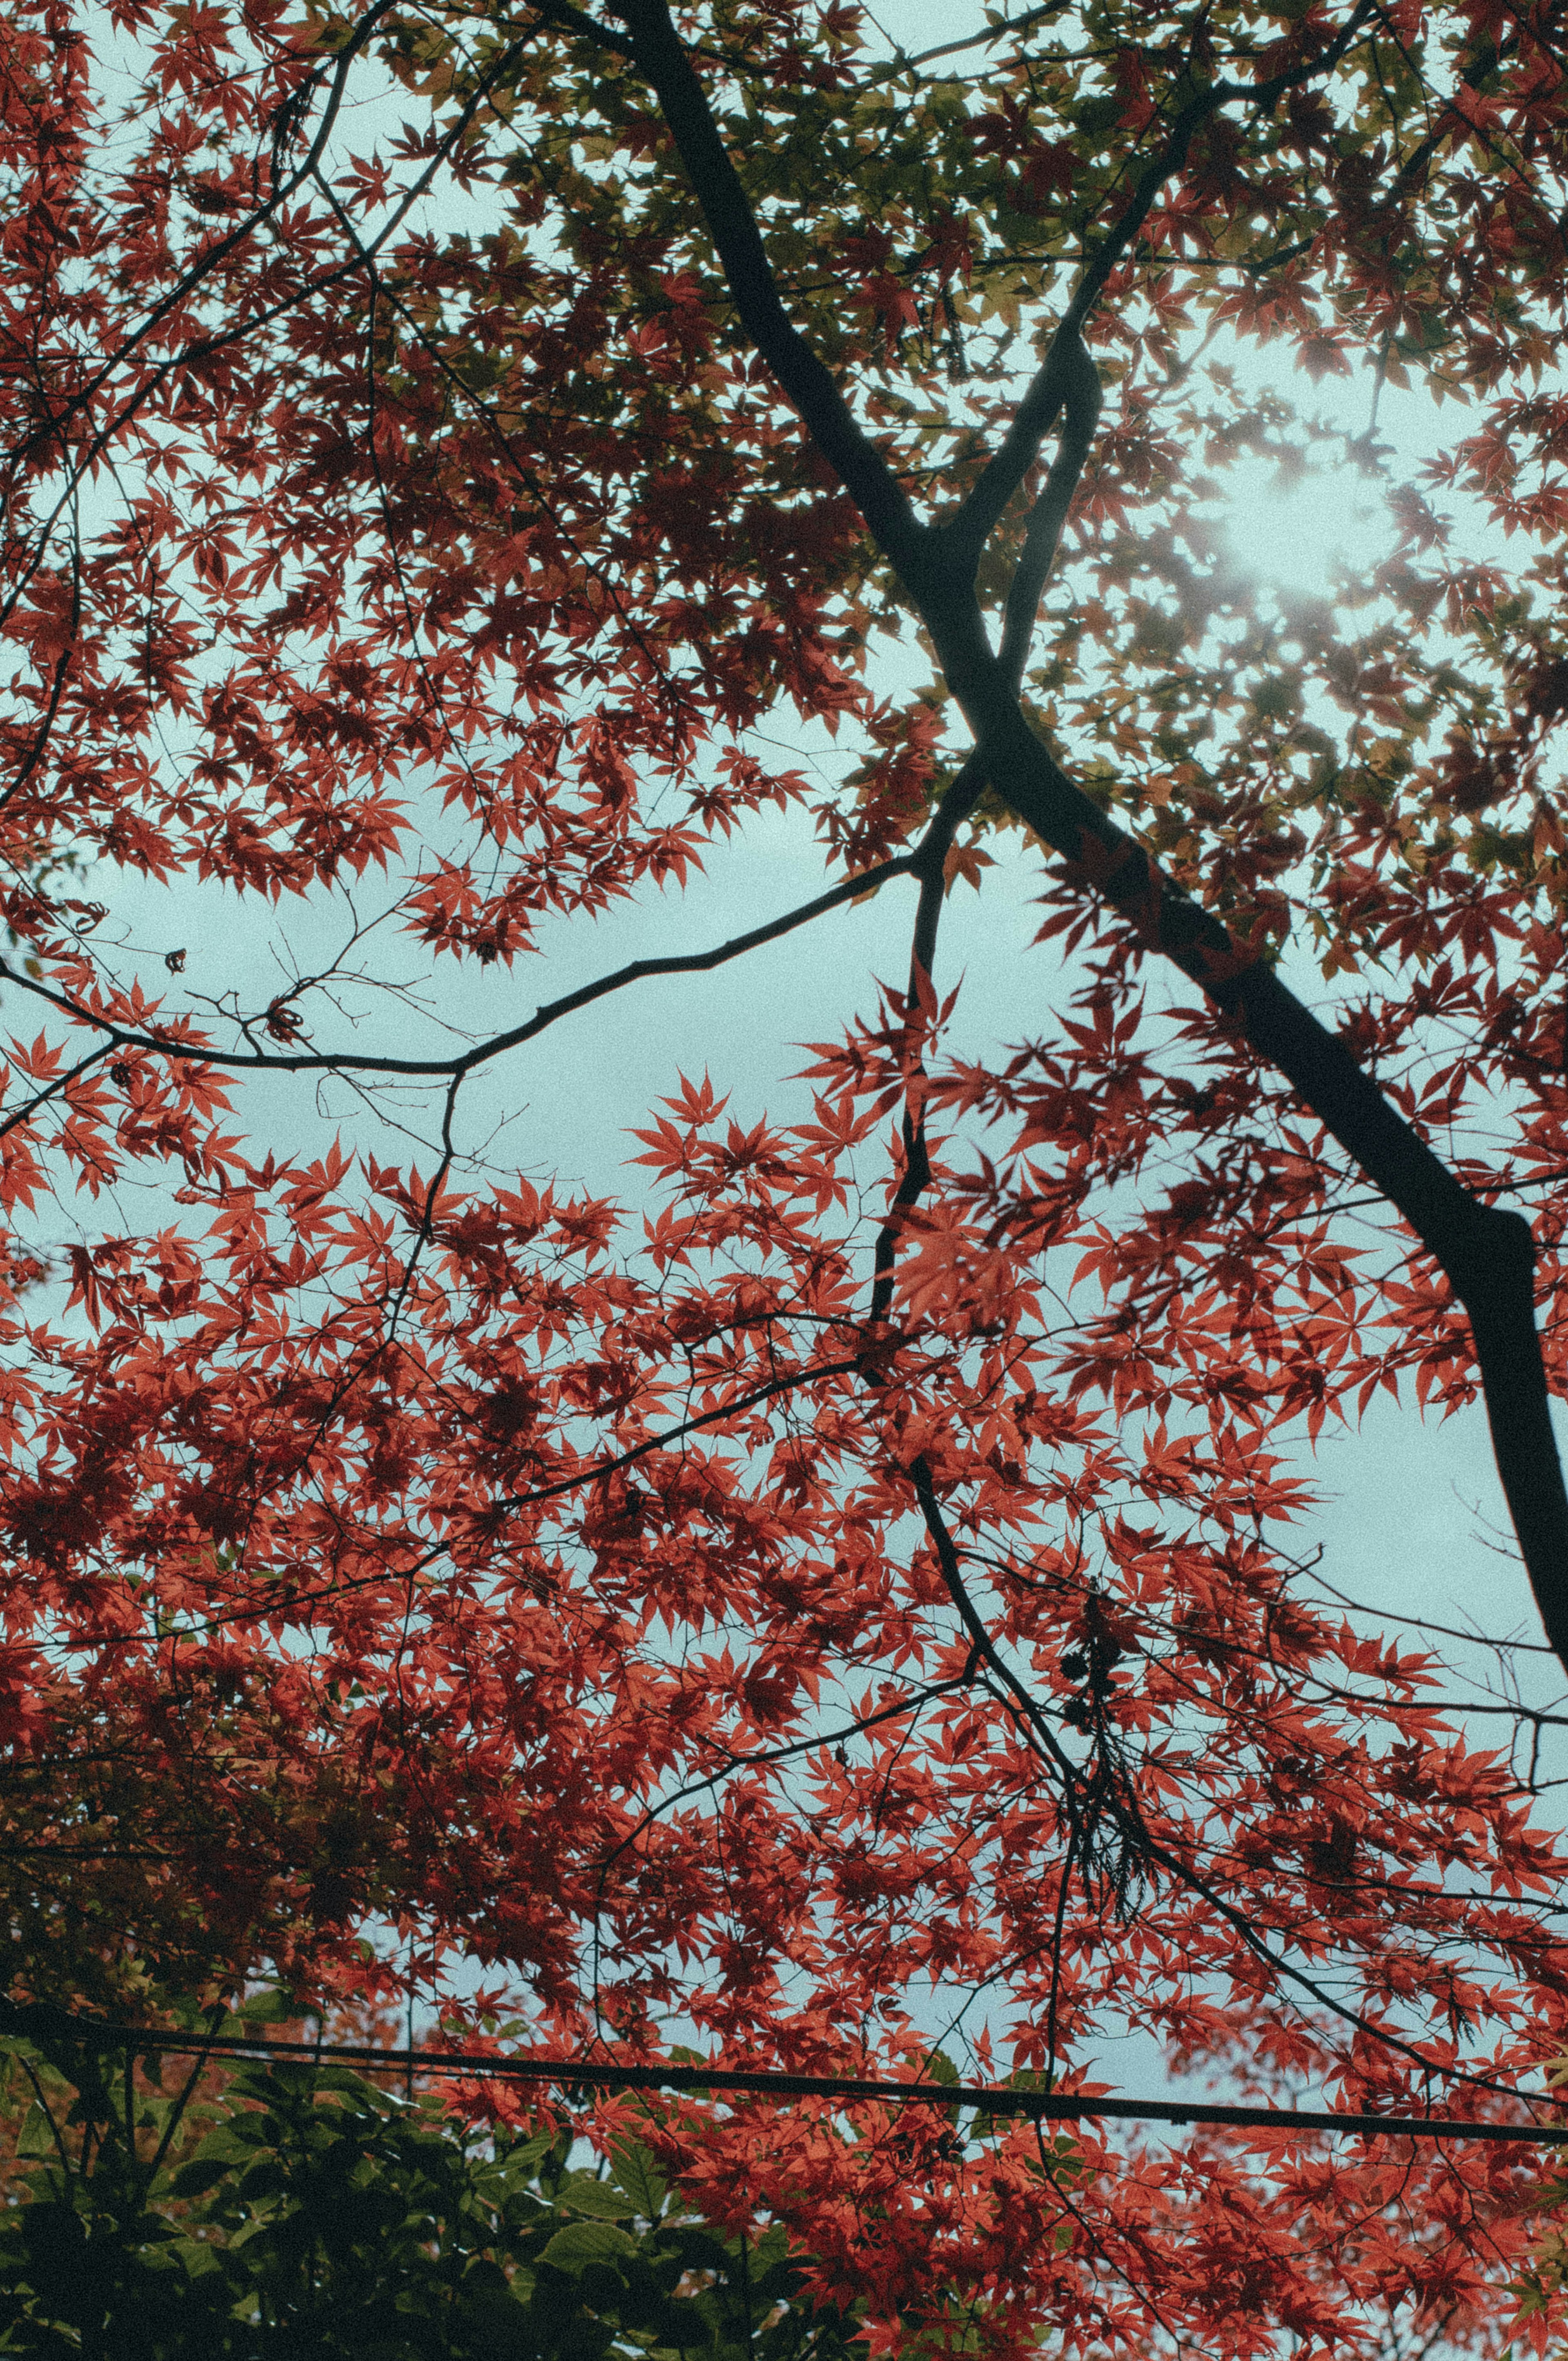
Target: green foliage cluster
column 302, row 2209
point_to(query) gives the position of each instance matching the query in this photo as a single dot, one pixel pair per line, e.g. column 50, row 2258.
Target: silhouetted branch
column 181, row 1049
column 1487, row 1254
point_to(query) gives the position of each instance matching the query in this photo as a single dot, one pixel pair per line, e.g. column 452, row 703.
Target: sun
column 1304, row 534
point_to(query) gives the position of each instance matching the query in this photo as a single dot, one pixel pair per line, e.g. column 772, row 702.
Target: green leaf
column 634, row 2171
column 199, row 2256
column 601, row 2199
column 200, row 2174
column 582, row 2243
column 36, row 2138
column 272, row 2007
column 265, row 2177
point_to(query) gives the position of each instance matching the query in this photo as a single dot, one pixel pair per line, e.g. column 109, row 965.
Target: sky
column 1408, row 1526
column 1408, row 1507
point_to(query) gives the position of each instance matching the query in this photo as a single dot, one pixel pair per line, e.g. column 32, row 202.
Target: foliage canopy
column 849, row 1584
column 297, row 2208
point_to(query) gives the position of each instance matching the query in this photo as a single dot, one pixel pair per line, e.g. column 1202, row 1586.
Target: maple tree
column 857, row 1589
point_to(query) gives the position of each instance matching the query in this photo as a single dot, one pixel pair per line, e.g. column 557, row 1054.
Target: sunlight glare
column 1302, row 536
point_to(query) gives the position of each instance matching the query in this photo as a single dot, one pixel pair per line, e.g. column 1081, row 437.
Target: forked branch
column 1080, row 413
column 1487, row 1254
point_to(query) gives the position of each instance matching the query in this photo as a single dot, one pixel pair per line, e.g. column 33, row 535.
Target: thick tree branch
column 1080, row 408
column 967, row 531
column 977, row 517
column 1487, row 1254
column 809, row 385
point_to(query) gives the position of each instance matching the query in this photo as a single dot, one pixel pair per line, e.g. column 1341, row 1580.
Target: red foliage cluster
column 860, row 1588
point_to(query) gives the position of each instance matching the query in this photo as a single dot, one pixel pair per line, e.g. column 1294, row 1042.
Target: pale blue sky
column 1405, row 1504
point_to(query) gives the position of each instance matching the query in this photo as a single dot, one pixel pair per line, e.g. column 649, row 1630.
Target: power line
column 568, row 2074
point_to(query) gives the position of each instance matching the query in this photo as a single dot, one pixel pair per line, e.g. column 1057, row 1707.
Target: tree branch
column 929, row 864
column 1024, row 1703
column 568, row 19
column 967, row 531
column 1487, row 1254
column 662, row 1442
column 1080, row 407
column 317, row 1061
column 1000, row 478
column 809, row 385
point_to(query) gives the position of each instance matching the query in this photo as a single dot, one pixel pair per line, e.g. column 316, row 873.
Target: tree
column 868, row 1571
column 293, row 2208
